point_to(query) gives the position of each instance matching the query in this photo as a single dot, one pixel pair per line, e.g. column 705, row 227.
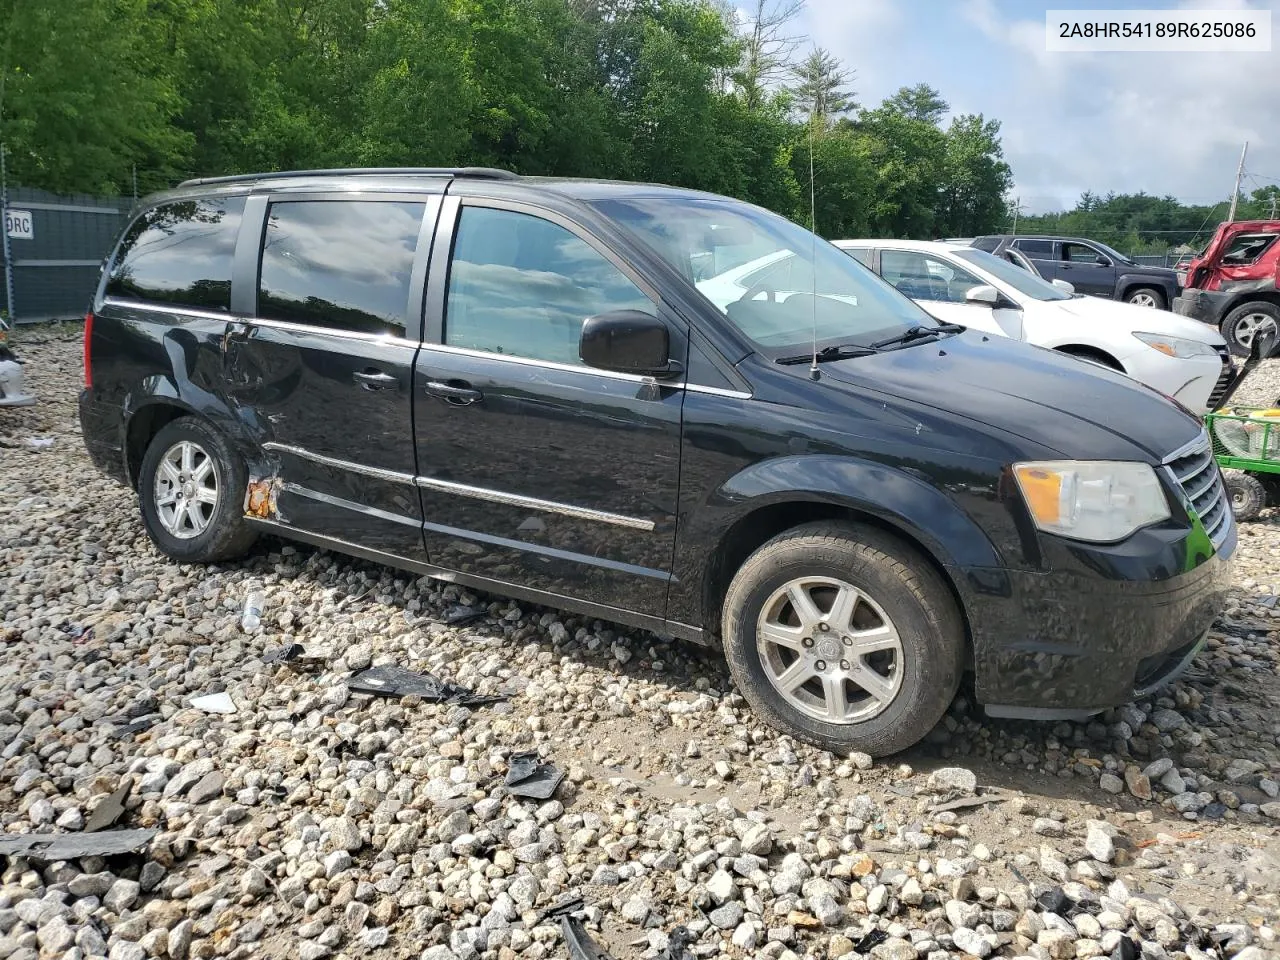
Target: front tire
column 1246, row 321
column 844, row 637
column 190, row 488
column 1146, row 297
column 1248, row 495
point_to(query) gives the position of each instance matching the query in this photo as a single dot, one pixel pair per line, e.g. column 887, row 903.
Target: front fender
column 902, row 498
column 1127, row 281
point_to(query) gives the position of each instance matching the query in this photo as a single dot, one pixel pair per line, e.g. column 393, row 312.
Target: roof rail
column 484, row 173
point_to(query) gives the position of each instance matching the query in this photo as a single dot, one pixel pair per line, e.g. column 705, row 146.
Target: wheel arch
column 1086, row 352
column 1128, row 284
column 143, row 423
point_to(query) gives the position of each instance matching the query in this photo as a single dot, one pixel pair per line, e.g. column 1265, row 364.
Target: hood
column 1081, row 411
column 1142, row 270
column 1126, row 316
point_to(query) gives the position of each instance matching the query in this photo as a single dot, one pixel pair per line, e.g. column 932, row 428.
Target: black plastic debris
column 526, row 777
column 76, row 631
column 398, row 682
column 678, row 943
column 965, row 802
column 72, row 846
column 109, row 811
column 1054, row 900
column 870, row 939
column 581, row 946
column 1126, row 949
column 129, row 728
column 1214, row 811
column 561, row 908
column 283, row 654
column 461, row 615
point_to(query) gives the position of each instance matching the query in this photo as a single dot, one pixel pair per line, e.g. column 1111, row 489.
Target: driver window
column 1079, row 253
column 922, row 277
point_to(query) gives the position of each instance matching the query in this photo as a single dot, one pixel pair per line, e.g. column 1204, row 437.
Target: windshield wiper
column 844, row 351
column 917, row 332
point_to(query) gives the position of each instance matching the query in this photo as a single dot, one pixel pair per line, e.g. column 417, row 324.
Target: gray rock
column 728, row 916
column 1166, row 721
column 180, row 940
column 1271, row 810
column 636, row 910
column 438, row 953
column 453, row 826
column 1173, row 782
column 127, row 950
column 344, row 834
column 209, row 787
column 949, row 779
column 1047, row 828
column 962, row 914
column 722, row 888
column 90, row 884
column 972, row 942
column 878, row 898
column 1099, row 842
column 1110, row 783
column 1157, row 768
column 757, row 841
column 122, row 895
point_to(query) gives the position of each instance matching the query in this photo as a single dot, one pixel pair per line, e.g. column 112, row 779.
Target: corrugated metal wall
column 55, row 272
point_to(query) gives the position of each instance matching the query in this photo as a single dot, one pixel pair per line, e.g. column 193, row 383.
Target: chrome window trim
column 464, row 490
column 387, row 338
column 132, row 304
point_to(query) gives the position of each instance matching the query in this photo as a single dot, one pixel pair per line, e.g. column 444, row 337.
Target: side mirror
column 1101, row 261
column 1064, row 286
column 627, row 341
column 983, row 294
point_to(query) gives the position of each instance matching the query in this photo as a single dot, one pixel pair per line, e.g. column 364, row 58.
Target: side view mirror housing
column 627, row 341
column 982, row 294
column 1064, row 286
column 1101, row 261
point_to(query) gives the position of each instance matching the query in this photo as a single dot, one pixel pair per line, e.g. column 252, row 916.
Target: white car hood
column 1127, row 317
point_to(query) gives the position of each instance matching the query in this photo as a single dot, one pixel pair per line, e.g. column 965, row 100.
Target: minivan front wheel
column 190, row 489
column 844, row 637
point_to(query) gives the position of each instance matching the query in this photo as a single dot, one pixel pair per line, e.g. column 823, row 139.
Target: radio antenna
column 813, row 248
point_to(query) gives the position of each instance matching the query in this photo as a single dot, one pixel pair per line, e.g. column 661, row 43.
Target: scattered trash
column 462, row 615
column 39, row 443
column 562, row 907
column 214, row 703
column 581, row 946
column 283, row 654
column 129, row 728
column 251, row 619
column 398, row 682
column 76, row 631
column 964, row 802
column 678, row 943
column 109, row 811
column 526, row 777
column 869, row 940
column 1055, row 900
column 72, row 846
column 1126, row 949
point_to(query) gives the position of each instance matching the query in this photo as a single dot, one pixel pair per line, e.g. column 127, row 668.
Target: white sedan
column 1179, row 357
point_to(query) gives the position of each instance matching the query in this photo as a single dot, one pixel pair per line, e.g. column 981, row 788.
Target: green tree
column 920, row 102
column 975, row 178
column 820, row 91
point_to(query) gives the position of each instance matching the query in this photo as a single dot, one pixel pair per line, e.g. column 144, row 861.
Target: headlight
column 1097, row 500
column 1176, row 346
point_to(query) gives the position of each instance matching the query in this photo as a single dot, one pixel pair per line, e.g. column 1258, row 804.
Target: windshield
column 766, row 274
column 1015, row 276
column 1114, row 254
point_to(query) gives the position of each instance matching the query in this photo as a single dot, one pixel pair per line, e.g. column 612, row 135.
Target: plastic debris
column 562, row 907
column 132, row 727
column 214, row 703
column 964, row 802
column 869, row 940
column 109, row 811
column 462, row 615
column 72, row 846
column 526, row 777
column 39, row 443
column 251, row 619
column 283, row 654
column 581, row 946
column 399, row 682
column 678, row 943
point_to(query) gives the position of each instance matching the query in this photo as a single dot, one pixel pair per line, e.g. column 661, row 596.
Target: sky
column 1163, row 123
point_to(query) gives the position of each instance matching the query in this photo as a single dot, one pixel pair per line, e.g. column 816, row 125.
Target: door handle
column 459, row 393
column 374, row 379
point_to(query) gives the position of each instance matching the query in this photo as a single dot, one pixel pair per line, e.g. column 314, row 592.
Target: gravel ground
column 313, row 822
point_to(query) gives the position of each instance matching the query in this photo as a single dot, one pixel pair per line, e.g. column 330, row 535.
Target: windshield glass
column 1015, row 276
column 1114, row 254
column 763, row 272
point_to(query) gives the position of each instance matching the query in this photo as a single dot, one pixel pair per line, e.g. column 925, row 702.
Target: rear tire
column 1241, row 324
column 1146, row 297
column 817, row 611
column 191, row 491
column 1248, row 495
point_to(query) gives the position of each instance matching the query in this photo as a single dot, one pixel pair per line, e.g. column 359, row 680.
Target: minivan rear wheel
column 190, row 488
column 844, row 637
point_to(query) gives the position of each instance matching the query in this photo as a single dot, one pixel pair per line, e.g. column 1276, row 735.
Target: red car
column 1234, row 284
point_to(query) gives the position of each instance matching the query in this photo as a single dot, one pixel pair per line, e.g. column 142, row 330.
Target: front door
column 939, row 286
column 1087, row 269
column 534, row 469
column 325, row 364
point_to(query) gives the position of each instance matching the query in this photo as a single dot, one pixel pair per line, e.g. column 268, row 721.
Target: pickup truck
column 1091, row 267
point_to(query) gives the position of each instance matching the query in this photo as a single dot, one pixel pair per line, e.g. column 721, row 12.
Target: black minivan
column 663, row 408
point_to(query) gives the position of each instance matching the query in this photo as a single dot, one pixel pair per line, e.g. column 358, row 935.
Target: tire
column 209, row 532
column 1248, row 495
column 1239, row 326
column 1147, row 297
column 896, row 587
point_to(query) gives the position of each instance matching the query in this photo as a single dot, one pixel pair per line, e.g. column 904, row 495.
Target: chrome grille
column 1195, row 471
column 1224, row 379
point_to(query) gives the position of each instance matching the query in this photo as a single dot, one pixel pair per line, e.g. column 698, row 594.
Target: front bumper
column 1193, row 381
column 1207, row 306
column 1105, row 625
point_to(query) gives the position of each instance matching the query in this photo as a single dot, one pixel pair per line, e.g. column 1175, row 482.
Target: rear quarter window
column 180, row 253
column 1036, row 249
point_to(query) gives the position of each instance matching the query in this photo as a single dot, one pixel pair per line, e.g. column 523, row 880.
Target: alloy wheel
column 1143, row 300
column 1250, row 325
column 186, row 490
column 830, row 650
